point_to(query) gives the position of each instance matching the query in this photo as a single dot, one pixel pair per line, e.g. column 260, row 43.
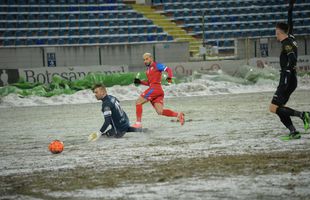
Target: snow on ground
column 230, row 149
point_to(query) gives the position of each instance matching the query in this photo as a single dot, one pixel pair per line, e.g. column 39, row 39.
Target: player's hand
column 169, row 80
column 137, row 81
column 94, row 136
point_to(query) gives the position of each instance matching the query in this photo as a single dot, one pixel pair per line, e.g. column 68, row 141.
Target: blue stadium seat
column 142, row 38
column 83, row 24
column 103, row 40
column 8, row 42
column 92, row 40
column 40, row 42
column 60, row 41
column 73, row 24
column 9, row 34
column 141, row 22
column 73, row 2
column 3, row 25
column 83, row 32
column 2, row 16
column 30, row 42
column 12, row 9
column 19, row 42
column 51, row 33
column 151, row 29
column 62, row 32
column 92, row 31
column 63, row 24
column 32, row 2
column 53, row 24
column 92, row 23
column 91, row 16
column 83, row 41
column 41, row 33
column 72, row 40
column 30, row 33
column 31, row 17
column 20, row 17
column 140, row 30
column 159, row 30
column 103, row 31
column 71, row 32
column 113, row 39
column 170, row 38
column 121, row 31
column 160, row 38
column 21, row 25
column 20, row 33
column 51, row 41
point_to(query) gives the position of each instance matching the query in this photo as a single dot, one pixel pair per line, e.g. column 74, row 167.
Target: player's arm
column 170, row 74
column 142, row 82
column 107, row 113
column 290, row 16
column 137, row 81
column 292, row 60
column 166, row 69
column 291, row 55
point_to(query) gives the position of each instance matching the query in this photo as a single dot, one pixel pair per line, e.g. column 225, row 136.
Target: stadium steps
column 168, row 26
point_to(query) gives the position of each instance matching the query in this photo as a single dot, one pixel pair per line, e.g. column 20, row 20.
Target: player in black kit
column 114, row 116
column 288, row 77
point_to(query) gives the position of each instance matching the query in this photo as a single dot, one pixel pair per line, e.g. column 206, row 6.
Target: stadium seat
column 72, row 40
column 170, row 38
column 19, row 42
column 62, row 32
column 20, row 33
column 40, row 42
column 92, row 31
column 83, row 24
column 103, row 40
column 92, row 40
column 83, row 41
column 103, row 31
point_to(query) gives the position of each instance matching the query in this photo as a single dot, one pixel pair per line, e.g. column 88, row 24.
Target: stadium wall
column 268, row 47
column 68, row 56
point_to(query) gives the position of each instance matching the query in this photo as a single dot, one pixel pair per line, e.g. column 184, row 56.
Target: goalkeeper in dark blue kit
column 288, row 77
column 114, row 116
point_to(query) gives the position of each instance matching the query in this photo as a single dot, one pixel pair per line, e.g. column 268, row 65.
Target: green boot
column 306, row 119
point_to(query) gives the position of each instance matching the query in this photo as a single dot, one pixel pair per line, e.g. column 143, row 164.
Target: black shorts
column 287, row 85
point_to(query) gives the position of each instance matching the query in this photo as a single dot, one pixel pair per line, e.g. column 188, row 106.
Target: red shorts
column 154, row 95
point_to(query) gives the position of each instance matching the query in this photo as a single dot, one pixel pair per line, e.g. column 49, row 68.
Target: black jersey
column 289, row 54
column 114, row 114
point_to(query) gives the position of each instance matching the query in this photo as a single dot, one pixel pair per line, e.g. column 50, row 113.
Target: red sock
column 139, row 112
column 169, row 113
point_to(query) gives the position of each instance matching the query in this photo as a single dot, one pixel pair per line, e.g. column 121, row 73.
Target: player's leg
column 304, row 116
column 133, row 129
column 167, row 112
column 279, row 100
column 139, row 109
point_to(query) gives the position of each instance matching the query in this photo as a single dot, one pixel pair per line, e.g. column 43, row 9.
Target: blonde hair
column 148, row 55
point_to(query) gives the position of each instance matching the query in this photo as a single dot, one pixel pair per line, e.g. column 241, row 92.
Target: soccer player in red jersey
column 154, row 93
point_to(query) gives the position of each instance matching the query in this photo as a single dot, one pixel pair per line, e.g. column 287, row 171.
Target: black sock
column 286, row 120
column 292, row 129
column 289, row 111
